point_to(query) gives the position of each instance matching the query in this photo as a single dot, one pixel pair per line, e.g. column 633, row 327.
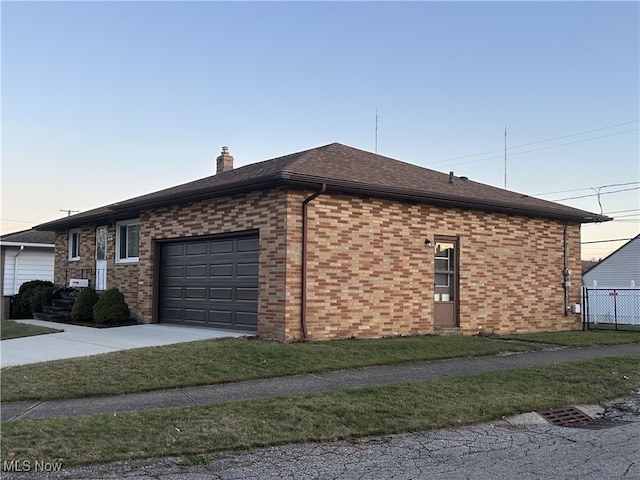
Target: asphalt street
column 523, row 447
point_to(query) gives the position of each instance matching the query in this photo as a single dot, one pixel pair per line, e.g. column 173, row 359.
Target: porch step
column 59, row 311
column 63, row 303
column 60, row 317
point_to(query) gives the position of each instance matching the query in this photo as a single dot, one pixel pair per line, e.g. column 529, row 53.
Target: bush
column 32, row 296
column 111, row 309
column 41, row 297
column 82, row 310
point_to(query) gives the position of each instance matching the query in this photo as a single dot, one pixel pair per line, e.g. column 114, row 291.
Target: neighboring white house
column 612, row 286
column 618, row 270
column 24, row 256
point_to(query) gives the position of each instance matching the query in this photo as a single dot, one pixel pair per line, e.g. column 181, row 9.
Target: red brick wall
column 370, row 273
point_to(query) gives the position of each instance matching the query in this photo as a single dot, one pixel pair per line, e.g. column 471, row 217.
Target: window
column 127, row 240
column 74, row 244
column 445, row 268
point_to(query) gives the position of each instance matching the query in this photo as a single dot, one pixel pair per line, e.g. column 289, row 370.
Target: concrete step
column 62, row 317
column 64, row 303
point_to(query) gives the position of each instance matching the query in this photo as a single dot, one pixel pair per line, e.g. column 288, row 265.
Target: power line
column 586, row 188
column 544, row 148
column 623, row 211
column 625, row 216
column 544, row 141
column 12, row 220
column 606, row 241
column 596, row 194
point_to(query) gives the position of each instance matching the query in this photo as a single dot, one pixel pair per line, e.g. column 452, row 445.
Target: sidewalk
column 301, row 384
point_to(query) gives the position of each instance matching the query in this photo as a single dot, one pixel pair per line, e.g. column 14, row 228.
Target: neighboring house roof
column 634, row 242
column 588, row 265
column 342, row 169
column 32, row 238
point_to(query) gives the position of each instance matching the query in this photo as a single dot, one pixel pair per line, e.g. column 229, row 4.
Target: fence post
column 584, row 308
column 615, row 308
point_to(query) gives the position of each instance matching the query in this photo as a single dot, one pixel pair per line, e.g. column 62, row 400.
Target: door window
column 445, row 271
column 101, row 243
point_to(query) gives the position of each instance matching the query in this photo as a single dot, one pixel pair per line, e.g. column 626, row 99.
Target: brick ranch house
column 333, row 242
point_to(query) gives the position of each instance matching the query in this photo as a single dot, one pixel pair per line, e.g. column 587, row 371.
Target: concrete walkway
column 300, row 384
column 76, row 341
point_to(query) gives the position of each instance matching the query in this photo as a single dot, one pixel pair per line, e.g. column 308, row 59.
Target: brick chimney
column 225, row 161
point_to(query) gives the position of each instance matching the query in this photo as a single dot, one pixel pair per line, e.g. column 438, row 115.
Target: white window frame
column 119, row 239
column 74, row 256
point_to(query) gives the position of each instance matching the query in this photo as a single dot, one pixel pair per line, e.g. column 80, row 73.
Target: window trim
column 70, row 251
column 126, row 260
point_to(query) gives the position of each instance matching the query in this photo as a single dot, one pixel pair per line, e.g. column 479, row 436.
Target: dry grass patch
column 10, row 329
column 227, row 360
column 342, row 415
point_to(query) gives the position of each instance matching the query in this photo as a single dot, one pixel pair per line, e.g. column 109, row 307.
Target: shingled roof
column 341, row 169
column 31, row 236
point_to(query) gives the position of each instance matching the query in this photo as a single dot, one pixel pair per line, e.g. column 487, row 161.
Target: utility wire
column 606, row 241
column 544, row 141
column 586, row 188
column 623, row 211
column 596, row 194
column 543, row 148
column 12, row 220
column 625, row 216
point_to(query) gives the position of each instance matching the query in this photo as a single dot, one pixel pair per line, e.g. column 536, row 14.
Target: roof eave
column 178, row 198
column 440, row 200
column 27, row 244
column 132, row 208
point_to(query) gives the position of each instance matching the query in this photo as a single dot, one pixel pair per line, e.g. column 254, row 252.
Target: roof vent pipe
column 451, row 177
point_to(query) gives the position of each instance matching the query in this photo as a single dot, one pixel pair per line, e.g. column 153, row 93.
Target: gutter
column 175, row 196
column 447, row 200
column 34, row 245
column 303, row 306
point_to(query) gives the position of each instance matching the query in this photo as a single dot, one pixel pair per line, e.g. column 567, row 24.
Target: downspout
column 565, row 272
column 303, row 307
column 15, row 270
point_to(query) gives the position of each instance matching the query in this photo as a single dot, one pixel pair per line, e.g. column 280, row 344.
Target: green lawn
column 580, row 339
column 227, row 360
column 199, row 431
column 239, row 359
column 10, row 329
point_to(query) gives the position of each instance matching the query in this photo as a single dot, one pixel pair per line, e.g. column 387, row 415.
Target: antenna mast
column 69, row 212
column 376, row 142
column 505, row 156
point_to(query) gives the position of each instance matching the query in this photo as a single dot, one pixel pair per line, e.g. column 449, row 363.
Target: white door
column 101, row 258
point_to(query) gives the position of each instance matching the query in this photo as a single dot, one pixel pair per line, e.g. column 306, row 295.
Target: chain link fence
column 611, row 308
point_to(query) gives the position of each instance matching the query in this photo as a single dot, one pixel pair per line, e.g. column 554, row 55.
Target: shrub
column 111, row 309
column 82, row 310
column 41, row 297
column 32, row 296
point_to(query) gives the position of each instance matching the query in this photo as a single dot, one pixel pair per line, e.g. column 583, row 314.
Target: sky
column 105, row 101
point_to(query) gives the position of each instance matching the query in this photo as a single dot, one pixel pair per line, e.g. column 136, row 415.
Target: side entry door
column 446, row 282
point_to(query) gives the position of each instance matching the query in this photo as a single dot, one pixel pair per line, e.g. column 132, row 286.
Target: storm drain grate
column 574, row 418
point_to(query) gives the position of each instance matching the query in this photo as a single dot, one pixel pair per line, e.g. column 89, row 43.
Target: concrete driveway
column 76, row 341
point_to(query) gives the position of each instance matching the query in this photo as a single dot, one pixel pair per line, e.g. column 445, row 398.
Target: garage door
column 212, row 283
